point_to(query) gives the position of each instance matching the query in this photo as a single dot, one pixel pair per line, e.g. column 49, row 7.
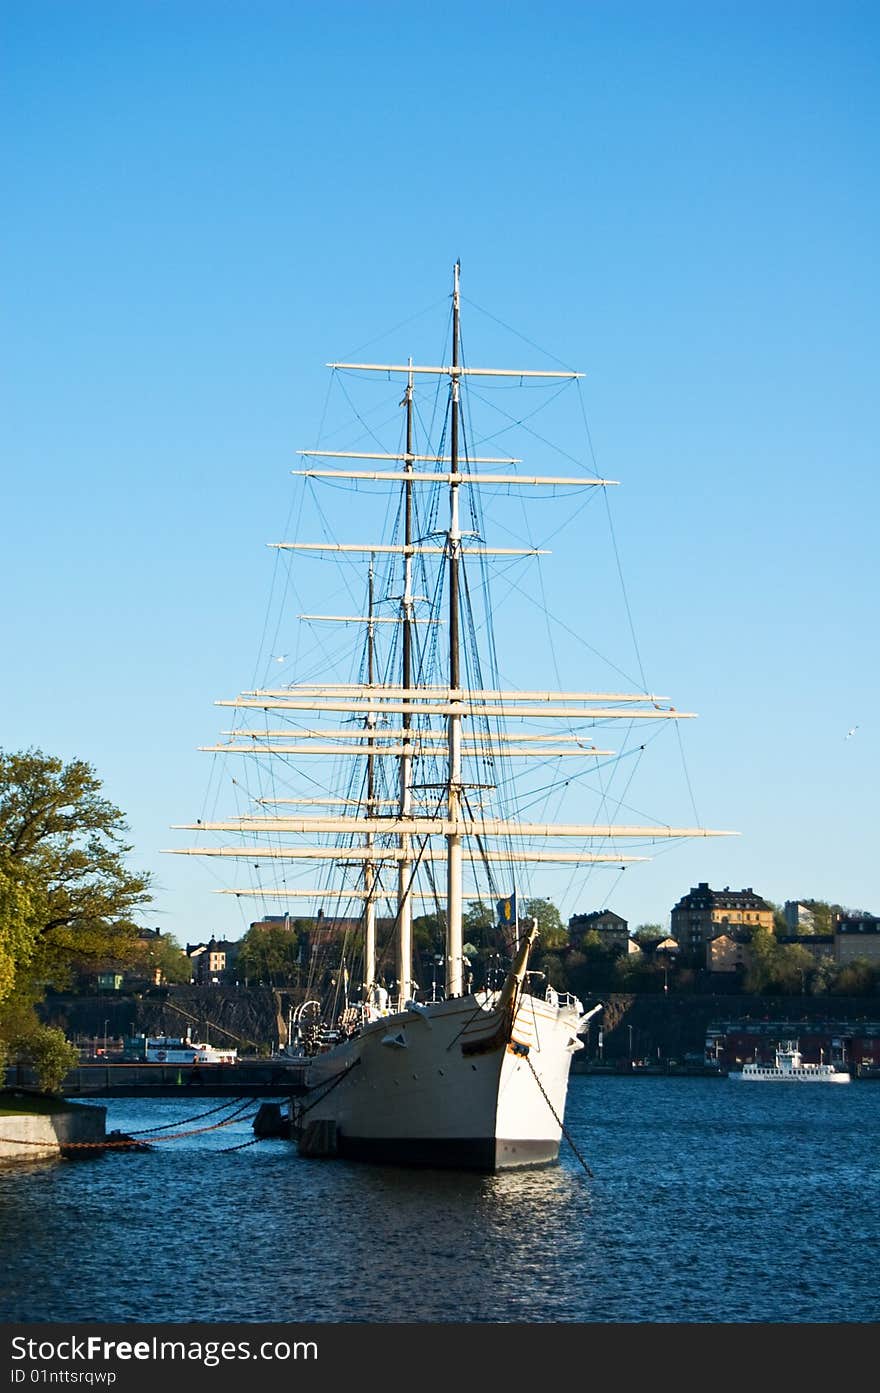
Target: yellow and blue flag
column 507, row 911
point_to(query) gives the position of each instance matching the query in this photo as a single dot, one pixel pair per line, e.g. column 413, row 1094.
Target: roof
column 808, row 940
column 595, row 919
column 702, row 897
column 732, row 935
column 213, row 945
column 859, row 924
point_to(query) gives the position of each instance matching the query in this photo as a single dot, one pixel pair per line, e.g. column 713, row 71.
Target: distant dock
column 246, row 1078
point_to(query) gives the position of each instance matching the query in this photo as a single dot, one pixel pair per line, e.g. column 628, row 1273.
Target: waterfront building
column 728, row 952
column 661, row 948
column 799, row 917
column 613, row 931
column 109, row 981
column 855, row 1041
column 703, row 913
column 857, row 936
column 819, row 946
column 213, row 962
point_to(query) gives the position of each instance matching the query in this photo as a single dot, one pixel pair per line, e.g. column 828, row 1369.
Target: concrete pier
column 38, row 1136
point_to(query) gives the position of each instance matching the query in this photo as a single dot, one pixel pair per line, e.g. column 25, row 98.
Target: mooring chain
column 132, row 1142
column 562, row 1126
column 334, row 1081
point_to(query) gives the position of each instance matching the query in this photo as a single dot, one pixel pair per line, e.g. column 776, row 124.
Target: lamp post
column 106, row 1023
column 630, row 1029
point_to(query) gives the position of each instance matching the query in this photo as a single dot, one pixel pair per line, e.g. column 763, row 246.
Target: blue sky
column 205, row 202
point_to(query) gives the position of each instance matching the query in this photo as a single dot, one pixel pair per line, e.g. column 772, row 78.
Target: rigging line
column 613, row 888
column 562, row 1127
column 290, row 586
column 386, row 333
column 329, row 532
column 487, row 866
column 323, row 419
column 608, row 841
column 632, row 630
column 536, row 794
column 367, row 429
column 442, row 390
column 570, row 518
column 506, row 776
column 605, row 788
column 218, row 771
column 577, row 637
column 687, row 776
column 272, row 591
column 336, row 1079
column 623, row 589
column 514, row 422
column 511, row 330
column 347, row 425
column 478, row 1010
column 331, row 788
column 568, row 725
column 479, row 394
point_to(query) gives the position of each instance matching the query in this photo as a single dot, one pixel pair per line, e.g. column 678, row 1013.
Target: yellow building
column 728, row 952
column 702, row 914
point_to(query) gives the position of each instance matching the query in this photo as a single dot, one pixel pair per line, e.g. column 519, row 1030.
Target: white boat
column 789, row 1068
column 476, row 1078
column 178, row 1049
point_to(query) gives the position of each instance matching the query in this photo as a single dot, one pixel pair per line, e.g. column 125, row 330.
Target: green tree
column 46, row 1050
column 759, row 972
column 429, row 932
column 270, row 953
column 823, row 977
column 858, row 978
column 164, row 959
column 67, row 898
column 638, row 974
column 648, row 933
column 777, row 967
column 550, row 926
column 825, row 916
column 19, row 927
column 477, row 920
column 62, row 844
column 555, row 971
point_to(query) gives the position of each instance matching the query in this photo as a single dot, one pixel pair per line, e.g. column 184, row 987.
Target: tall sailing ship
column 407, row 784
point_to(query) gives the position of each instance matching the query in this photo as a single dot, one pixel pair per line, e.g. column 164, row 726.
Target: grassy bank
column 36, row 1104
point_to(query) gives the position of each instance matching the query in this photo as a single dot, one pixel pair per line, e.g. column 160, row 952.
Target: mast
column 369, row 865
column 453, row 789
column 372, row 833
column 404, row 873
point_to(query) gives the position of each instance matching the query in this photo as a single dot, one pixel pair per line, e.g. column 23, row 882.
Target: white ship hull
column 816, row 1073
column 446, row 1084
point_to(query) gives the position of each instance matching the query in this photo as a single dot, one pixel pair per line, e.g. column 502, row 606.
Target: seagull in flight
column 281, row 657
column 850, row 733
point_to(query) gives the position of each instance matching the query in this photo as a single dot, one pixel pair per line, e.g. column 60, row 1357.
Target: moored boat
column 474, row 1078
column 789, row 1067
column 178, row 1049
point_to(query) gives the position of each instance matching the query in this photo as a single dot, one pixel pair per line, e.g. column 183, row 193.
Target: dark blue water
column 710, row 1201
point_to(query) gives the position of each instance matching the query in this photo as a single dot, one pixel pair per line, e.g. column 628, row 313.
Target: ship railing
column 562, row 999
